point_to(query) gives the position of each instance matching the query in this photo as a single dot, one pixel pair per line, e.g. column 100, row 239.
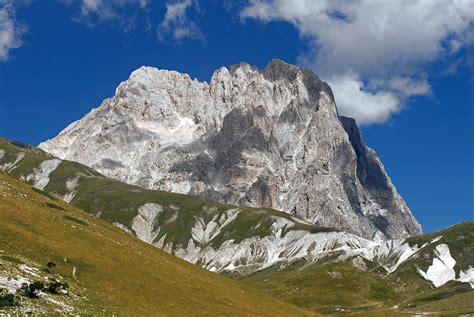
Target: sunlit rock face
column 261, row 138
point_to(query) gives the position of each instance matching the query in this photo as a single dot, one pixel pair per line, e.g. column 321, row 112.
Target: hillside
column 106, row 270
column 339, row 287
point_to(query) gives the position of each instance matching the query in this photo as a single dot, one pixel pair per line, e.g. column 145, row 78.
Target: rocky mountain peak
column 262, row 138
column 280, row 70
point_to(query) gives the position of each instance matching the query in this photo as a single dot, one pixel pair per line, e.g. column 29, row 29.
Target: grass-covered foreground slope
column 341, row 287
column 73, row 263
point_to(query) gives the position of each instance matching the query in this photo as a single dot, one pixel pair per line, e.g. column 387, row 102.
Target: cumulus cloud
column 355, row 101
column 11, row 31
column 403, row 86
column 387, row 40
column 177, row 22
column 376, row 100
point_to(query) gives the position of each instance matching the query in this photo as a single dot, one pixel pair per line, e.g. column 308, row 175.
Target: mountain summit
column 262, row 138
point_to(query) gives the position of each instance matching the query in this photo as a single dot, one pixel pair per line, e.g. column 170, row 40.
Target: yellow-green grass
column 115, row 272
column 328, row 287
column 450, row 300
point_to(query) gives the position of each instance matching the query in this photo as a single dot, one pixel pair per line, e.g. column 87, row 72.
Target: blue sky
column 408, row 80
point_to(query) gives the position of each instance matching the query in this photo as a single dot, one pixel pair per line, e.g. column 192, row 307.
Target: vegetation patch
column 11, row 259
column 54, row 206
column 318, row 229
column 39, row 191
column 58, row 288
column 31, row 290
column 7, row 299
column 76, row 220
column 248, row 223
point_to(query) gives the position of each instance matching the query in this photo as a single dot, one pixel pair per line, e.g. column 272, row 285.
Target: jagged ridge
column 269, row 138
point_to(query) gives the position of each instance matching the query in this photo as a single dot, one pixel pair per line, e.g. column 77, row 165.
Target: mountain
column 75, row 264
column 268, row 138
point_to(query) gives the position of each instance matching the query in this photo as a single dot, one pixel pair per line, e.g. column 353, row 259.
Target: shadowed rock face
column 262, row 138
column 374, row 179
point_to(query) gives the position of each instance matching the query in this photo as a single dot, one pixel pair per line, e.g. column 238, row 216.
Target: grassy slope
column 330, row 287
column 325, row 287
column 118, row 202
column 115, row 271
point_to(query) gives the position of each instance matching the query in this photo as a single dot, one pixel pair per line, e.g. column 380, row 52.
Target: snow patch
column 2, row 153
column 467, row 276
column 442, row 269
column 182, row 133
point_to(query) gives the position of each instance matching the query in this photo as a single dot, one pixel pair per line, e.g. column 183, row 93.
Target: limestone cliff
column 262, row 138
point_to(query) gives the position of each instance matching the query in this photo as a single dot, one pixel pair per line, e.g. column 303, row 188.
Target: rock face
column 261, row 138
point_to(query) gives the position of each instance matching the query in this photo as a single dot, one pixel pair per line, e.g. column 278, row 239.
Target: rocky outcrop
column 262, row 138
column 144, row 223
column 40, row 175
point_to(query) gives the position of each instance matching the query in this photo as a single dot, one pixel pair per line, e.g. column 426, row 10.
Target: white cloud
column 96, row 11
column 10, row 30
column 377, row 99
column 355, row 101
column 404, row 86
column 101, row 7
column 177, row 23
column 389, row 40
